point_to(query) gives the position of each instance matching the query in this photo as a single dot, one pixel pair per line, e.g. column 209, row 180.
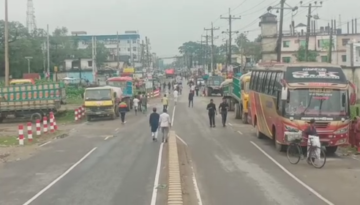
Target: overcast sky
column 167, row 23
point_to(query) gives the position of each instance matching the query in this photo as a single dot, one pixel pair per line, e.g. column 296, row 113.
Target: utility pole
column 230, row 19
column 212, row 43
column 331, row 42
column 308, row 27
column 48, row 51
column 6, row 39
column 143, row 61
column 117, row 50
column 147, row 52
column 206, row 51
column 28, row 58
column 202, row 60
column 279, row 39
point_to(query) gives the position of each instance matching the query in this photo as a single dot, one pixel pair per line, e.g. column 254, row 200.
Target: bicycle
column 316, row 154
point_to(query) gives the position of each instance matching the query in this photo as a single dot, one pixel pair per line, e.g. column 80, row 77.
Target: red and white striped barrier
column 21, row 134
column 154, row 94
column 45, row 125
column 51, row 123
column 38, row 128
column 29, row 132
column 76, row 115
column 83, row 111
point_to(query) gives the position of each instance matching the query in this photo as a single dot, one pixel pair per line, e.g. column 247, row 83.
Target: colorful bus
column 285, row 97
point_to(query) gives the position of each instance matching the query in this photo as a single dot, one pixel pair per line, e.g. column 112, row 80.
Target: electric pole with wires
column 230, row 32
column 308, row 26
column 282, row 7
column 212, row 44
column 206, row 50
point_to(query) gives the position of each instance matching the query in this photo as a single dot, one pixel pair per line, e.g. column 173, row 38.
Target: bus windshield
column 101, row 94
column 121, row 84
column 317, row 102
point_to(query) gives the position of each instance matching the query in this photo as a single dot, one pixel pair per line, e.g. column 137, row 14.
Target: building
column 319, row 40
column 127, row 45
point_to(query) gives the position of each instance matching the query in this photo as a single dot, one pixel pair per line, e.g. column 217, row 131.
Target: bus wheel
column 331, row 150
column 279, row 147
column 258, row 133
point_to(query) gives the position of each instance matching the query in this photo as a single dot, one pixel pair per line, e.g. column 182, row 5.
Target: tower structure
column 30, row 17
column 269, row 36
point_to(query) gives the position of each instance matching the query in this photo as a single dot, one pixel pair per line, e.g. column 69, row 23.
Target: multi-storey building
column 319, row 41
column 127, row 45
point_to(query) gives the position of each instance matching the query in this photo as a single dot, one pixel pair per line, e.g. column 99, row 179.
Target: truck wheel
column 2, row 119
column 244, row 118
column 35, row 116
column 237, row 111
column 88, row 118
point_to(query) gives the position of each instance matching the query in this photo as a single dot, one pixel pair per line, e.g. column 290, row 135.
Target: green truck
column 31, row 101
column 231, row 91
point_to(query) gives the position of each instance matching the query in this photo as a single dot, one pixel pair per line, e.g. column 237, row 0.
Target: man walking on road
column 123, row 109
column 223, row 108
column 165, row 124
column 165, row 102
column 136, row 104
column 154, row 124
column 176, row 95
column 211, row 107
column 191, row 99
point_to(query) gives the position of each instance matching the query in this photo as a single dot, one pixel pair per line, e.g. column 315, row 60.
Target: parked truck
column 236, row 91
column 127, row 86
column 102, row 102
column 31, row 101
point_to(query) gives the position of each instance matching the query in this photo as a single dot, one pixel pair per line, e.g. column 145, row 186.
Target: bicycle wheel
column 319, row 159
column 293, row 153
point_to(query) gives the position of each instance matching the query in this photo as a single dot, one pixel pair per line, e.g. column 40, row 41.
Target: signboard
column 129, row 70
column 315, row 74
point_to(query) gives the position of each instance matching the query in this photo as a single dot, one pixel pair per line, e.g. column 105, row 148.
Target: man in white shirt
column 176, row 95
column 136, row 104
column 165, row 124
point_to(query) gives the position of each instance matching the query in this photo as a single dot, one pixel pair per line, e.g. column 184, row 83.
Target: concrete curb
column 174, row 181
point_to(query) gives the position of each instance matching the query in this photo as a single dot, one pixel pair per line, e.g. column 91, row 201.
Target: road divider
column 174, row 180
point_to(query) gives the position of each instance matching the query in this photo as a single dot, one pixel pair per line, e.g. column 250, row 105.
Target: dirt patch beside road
column 186, row 173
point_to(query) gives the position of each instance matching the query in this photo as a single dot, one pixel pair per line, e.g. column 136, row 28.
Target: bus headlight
column 342, row 130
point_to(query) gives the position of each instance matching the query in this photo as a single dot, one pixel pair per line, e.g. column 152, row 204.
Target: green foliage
column 300, row 55
column 249, row 48
column 74, row 94
column 22, row 44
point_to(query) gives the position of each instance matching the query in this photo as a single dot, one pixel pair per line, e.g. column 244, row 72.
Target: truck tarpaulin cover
column 170, row 71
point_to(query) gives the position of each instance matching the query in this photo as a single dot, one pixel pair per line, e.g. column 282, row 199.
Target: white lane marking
column 117, row 129
column 45, row 144
column 230, row 124
column 183, row 141
column 107, row 137
column 157, row 176
column 326, row 201
column 60, row 177
column 196, row 187
column 173, row 116
column 239, row 132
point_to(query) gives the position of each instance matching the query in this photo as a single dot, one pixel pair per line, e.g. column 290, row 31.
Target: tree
column 300, row 55
column 249, row 48
column 101, row 53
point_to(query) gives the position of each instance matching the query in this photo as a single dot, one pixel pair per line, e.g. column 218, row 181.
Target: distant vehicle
column 213, row 85
column 170, row 72
column 285, row 97
column 127, row 86
column 102, row 102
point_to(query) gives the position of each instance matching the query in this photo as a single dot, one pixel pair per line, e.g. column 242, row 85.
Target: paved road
column 229, row 168
column 119, row 168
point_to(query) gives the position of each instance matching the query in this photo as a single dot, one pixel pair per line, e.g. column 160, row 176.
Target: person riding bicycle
column 310, row 130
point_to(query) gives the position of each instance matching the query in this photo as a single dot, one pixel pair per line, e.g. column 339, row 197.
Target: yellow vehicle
column 22, row 82
column 244, row 104
column 101, row 102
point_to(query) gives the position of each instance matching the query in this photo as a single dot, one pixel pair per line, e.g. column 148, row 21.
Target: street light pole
column 28, row 58
column 6, row 39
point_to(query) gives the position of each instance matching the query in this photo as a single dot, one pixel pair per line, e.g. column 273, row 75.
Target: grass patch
column 75, row 100
column 65, row 117
column 9, row 141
